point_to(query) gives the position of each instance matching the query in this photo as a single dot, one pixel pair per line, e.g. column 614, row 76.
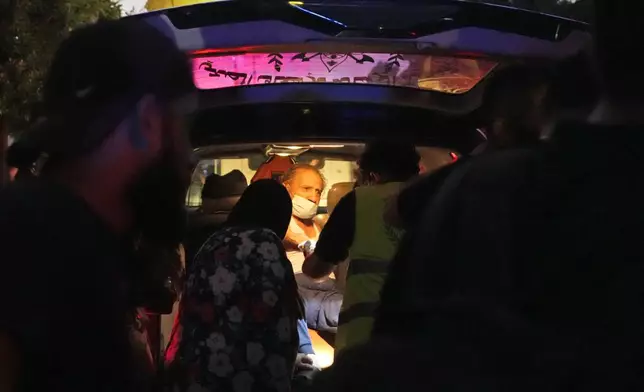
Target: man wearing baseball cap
column 112, row 173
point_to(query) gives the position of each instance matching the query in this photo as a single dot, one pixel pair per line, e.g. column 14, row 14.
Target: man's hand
column 317, row 269
column 307, row 247
column 305, row 362
column 294, row 239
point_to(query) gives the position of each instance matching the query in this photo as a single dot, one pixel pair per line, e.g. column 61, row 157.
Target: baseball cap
column 96, row 77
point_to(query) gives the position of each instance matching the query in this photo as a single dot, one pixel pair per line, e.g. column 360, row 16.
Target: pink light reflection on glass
column 446, row 74
column 260, row 68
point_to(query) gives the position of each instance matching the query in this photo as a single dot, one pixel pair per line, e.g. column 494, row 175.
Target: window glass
column 438, row 73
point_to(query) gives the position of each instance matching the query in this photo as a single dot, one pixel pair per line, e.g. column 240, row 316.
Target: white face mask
column 304, row 208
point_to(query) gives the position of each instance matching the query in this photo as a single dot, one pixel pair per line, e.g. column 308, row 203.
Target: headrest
column 337, row 192
column 231, row 184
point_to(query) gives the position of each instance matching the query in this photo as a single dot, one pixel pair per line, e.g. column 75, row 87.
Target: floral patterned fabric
column 236, row 333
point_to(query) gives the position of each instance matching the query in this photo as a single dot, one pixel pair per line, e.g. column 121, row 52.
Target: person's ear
column 290, row 191
column 148, row 127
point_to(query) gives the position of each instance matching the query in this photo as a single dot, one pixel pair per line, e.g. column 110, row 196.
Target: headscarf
column 265, row 204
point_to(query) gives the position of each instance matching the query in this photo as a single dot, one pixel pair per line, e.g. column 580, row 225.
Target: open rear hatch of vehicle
column 273, row 70
column 277, row 72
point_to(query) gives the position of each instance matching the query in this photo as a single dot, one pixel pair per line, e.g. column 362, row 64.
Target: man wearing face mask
column 357, row 230
column 322, row 300
column 305, row 185
column 113, row 160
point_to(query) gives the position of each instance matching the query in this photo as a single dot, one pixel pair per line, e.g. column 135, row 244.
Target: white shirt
column 296, row 257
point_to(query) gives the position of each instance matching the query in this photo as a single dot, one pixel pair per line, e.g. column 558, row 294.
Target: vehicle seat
column 336, row 192
column 274, row 167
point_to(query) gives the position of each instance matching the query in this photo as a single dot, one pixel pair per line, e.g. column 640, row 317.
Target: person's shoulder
column 28, row 202
column 350, row 197
column 502, row 166
column 263, row 235
column 243, row 235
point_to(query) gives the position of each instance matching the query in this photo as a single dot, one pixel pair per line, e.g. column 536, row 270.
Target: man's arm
column 335, row 240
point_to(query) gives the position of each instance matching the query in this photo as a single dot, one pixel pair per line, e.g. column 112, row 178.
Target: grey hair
column 292, row 172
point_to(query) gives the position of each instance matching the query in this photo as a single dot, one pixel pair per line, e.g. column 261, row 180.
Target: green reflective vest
column 374, row 245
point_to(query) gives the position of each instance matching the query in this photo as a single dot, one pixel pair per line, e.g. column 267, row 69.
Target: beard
column 158, row 203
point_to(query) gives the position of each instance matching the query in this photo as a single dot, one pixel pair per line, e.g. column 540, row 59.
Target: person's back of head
column 388, row 161
column 264, row 204
column 517, row 104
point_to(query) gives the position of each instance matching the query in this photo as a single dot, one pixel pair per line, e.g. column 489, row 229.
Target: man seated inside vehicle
column 305, row 184
column 357, row 230
column 219, row 195
column 322, row 300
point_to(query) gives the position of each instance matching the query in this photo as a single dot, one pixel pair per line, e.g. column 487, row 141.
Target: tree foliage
column 153, row 5
column 30, row 32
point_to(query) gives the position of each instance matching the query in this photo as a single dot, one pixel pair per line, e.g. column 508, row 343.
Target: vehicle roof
column 440, row 25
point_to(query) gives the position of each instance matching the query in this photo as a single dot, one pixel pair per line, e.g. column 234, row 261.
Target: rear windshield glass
column 437, row 73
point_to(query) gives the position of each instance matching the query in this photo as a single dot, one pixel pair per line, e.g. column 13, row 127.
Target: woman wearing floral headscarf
column 240, row 308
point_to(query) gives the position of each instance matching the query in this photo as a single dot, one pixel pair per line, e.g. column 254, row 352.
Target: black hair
column 575, row 86
column 266, row 204
column 508, row 92
column 393, row 160
column 618, row 37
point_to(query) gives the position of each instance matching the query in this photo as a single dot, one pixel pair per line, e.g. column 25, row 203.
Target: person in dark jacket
column 549, row 237
column 516, row 110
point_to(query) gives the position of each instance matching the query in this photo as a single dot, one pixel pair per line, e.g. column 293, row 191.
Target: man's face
column 307, row 184
column 158, row 195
